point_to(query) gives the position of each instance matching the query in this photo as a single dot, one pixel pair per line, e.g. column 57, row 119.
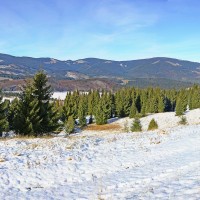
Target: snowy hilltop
column 106, row 164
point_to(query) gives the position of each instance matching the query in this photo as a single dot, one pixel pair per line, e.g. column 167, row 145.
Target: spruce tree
column 3, row 119
column 181, row 102
column 127, row 101
column 144, row 102
column 100, row 114
column 26, row 120
column 161, row 104
column 12, row 112
column 133, row 111
column 194, row 97
column 179, row 107
column 42, row 93
column 136, row 126
column 81, row 112
column 69, row 125
column 119, row 104
column 152, row 125
column 34, row 114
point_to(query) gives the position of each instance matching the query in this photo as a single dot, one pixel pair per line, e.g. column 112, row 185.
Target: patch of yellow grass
column 2, row 160
column 105, row 127
column 32, row 137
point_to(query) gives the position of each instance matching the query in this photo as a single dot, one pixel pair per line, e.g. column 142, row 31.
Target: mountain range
column 158, row 70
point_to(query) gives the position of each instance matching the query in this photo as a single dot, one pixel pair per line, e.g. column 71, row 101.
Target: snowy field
column 59, row 95
column 161, row 164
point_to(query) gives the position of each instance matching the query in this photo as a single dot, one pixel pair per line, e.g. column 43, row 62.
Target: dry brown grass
column 4, row 139
column 2, row 160
column 21, row 137
column 105, row 127
column 162, row 132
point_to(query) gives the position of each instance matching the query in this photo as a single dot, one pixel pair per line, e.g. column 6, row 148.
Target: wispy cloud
column 113, row 29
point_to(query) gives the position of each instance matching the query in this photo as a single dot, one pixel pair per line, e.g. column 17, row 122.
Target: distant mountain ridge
column 158, row 67
column 152, row 68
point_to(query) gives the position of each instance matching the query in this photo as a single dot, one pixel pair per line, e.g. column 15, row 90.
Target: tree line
column 35, row 113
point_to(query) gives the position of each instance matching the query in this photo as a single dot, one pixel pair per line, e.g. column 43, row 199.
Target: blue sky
column 110, row 29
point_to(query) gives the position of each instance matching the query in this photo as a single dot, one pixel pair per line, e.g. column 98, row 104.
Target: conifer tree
column 136, row 126
column 119, row 104
column 161, row 105
column 144, row 102
column 138, row 102
column 133, row 111
column 69, row 125
column 152, row 125
column 172, row 96
column 179, row 107
column 67, row 108
column 81, row 112
column 181, row 102
column 106, row 102
column 100, row 114
column 12, row 112
column 42, row 93
column 194, row 97
column 3, row 119
column 127, row 101
column 34, row 113
column 26, row 120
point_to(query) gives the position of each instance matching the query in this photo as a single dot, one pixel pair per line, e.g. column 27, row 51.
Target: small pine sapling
column 136, row 126
column 152, row 125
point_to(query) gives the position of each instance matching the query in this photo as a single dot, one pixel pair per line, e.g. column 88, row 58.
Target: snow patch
column 155, row 62
column 52, row 61
column 108, row 61
column 174, row 64
column 80, row 61
column 59, row 95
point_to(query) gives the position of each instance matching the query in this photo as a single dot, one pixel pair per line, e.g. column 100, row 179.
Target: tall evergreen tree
column 133, row 110
column 3, row 119
column 100, row 114
column 194, row 97
column 181, row 102
column 179, row 107
column 119, row 104
column 161, row 104
column 42, row 93
column 12, row 112
column 82, row 112
column 34, row 113
column 69, row 125
column 26, row 120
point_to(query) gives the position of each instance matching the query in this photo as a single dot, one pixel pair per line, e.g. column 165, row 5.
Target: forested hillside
column 34, row 113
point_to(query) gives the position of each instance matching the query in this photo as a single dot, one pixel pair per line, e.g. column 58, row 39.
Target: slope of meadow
column 107, row 164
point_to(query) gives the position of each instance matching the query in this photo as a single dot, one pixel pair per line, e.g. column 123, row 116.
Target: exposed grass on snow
column 106, row 127
column 21, row 137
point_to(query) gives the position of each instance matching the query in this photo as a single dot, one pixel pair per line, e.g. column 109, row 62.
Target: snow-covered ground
column 161, row 164
column 59, row 95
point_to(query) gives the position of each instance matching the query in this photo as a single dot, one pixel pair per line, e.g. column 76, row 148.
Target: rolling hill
column 159, row 69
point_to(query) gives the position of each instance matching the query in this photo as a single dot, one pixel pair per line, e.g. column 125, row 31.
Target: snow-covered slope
column 149, row 165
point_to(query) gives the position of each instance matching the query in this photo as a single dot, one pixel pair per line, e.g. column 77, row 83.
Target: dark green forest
column 34, row 113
